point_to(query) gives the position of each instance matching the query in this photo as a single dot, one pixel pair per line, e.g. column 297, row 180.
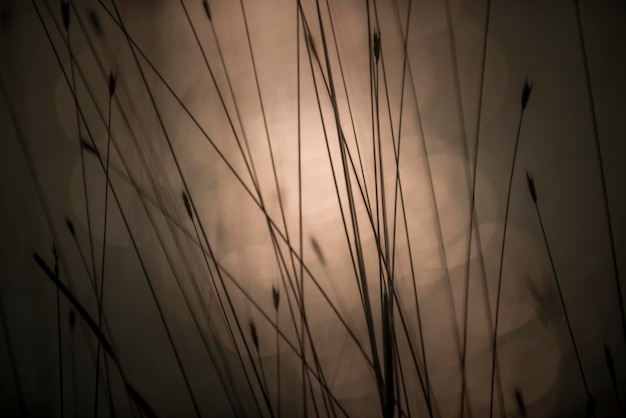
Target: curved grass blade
column 140, row 401
column 79, row 308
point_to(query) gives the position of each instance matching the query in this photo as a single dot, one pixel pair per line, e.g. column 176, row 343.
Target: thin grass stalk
column 307, row 333
column 252, row 168
column 248, row 160
column 71, row 322
column 525, row 95
column 352, row 251
column 59, row 339
column 360, row 269
column 66, row 19
column 160, row 207
column 473, row 230
column 398, row 188
column 187, row 111
column 100, row 293
column 186, row 189
column 605, row 194
column 366, row 199
column 300, row 227
column 12, row 362
column 46, row 211
column 437, row 218
column 533, row 193
column 267, row 134
column 399, row 372
column 65, row 11
column 379, row 52
column 94, row 327
column 610, row 365
column 387, row 357
column 363, row 194
column 255, row 341
column 85, row 263
column 380, row 251
column 278, row 254
column 227, row 376
column 276, row 248
column 364, row 285
column 521, row 405
column 224, row 312
column 70, row 227
column 246, row 189
column 362, row 187
column 276, row 303
column 124, row 219
column 74, row 301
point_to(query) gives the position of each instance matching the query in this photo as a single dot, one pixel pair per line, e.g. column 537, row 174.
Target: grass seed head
column 519, row 399
column 318, row 251
column 56, row 260
column 591, row 406
column 112, row 82
column 70, row 227
column 95, row 23
column 187, row 205
column 311, row 43
column 528, row 87
column 609, row 362
column 89, row 147
column 207, row 9
column 377, row 45
column 65, row 13
column 275, row 297
column 531, row 186
column 254, row 335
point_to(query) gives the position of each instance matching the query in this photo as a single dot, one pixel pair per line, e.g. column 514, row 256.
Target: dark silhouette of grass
column 596, row 137
column 112, row 85
column 524, row 101
column 125, row 221
column 75, row 303
column 533, row 193
column 473, row 231
column 14, row 370
column 384, row 334
column 610, row 365
column 59, row 336
column 142, row 197
column 46, row 212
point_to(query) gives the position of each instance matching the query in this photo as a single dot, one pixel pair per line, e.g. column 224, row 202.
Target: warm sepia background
column 254, row 116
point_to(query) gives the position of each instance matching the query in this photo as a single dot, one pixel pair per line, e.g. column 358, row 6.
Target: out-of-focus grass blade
column 82, row 311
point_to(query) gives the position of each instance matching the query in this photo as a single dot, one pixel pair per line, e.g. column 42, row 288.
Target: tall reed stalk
column 524, row 101
column 598, row 146
column 533, row 193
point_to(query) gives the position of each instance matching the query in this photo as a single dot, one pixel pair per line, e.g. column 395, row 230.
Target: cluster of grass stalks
column 385, row 324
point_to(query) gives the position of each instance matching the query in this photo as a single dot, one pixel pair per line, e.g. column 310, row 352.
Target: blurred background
column 315, row 208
